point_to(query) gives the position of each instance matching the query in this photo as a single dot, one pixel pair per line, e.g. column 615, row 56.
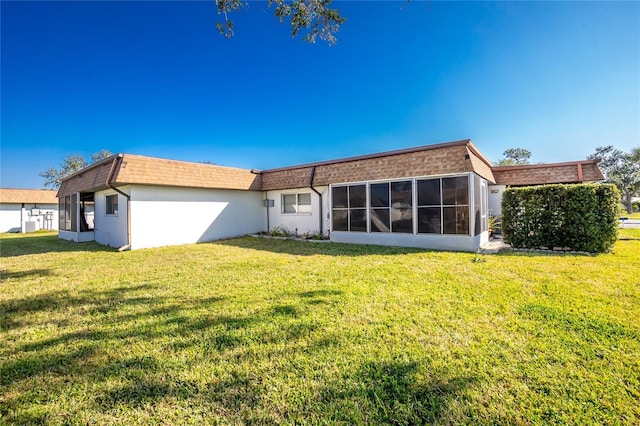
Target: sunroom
column 439, row 212
column 76, row 217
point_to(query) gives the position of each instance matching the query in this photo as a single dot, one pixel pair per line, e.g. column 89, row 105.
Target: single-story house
column 582, row 171
column 433, row 196
column 28, row 210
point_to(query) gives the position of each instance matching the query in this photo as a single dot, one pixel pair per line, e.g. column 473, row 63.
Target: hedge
column 582, row 217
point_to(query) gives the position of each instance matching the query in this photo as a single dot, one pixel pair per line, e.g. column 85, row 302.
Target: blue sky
column 155, row 78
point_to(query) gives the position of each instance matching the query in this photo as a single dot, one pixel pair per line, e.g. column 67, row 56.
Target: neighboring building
column 434, row 196
column 28, row 210
column 540, row 174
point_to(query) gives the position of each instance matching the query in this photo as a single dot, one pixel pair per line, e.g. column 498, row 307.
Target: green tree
column 313, row 18
column 71, row 164
column 100, row 155
column 514, row 157
column 620, row 168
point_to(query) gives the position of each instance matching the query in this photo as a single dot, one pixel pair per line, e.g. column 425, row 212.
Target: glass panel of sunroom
column 401, row 207
column 429, row 220
column 379, row 194
column 357, row 196
column 340, row 219
column 379, row 219
column 456, row 220
column 455, row 190
column 339, row 197
column 358, row 220
column 429, row 192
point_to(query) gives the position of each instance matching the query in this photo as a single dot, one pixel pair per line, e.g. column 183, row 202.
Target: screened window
column 112, row 204
column 480, row 205
column 402, row 207
column 443, row 205
column 455, row 205
column 67, row 214
column 429, row 206
column 296, row 203
column 379, row 213
column 349, row 208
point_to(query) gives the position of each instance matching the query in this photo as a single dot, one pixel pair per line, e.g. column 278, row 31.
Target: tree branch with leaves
column 514, row 157
column 313, row 18
column 620, row 168
column 71, row 164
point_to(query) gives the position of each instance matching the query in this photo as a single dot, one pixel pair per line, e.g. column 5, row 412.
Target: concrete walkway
column 495, row 245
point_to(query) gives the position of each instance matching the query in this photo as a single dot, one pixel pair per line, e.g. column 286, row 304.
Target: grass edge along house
column 434, row 196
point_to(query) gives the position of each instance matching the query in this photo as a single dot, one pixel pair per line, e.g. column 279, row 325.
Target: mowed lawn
column 270, row 331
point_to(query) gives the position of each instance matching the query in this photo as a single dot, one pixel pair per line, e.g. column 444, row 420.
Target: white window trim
column 106, row 204
column 297, row 204
column 414, row 179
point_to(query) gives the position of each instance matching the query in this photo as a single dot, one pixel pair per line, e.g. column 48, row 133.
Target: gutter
column 313, row 175
column 110, row 177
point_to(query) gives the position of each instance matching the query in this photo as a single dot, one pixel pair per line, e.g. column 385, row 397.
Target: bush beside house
column 581, row 217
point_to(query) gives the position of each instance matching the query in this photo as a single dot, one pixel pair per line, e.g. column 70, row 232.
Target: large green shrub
column 581, row 217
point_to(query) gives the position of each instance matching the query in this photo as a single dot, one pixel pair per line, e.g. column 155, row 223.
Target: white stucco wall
column 11, row 215
column 426, row 241
column 306, row 223
column 495, row 199
column 162, row 216
column 110, row 229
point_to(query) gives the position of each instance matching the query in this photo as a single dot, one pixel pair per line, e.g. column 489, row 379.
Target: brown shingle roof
column 541, row 174
column 31, row 196
column 450, row 157
column 123, row 169
column 136, row 169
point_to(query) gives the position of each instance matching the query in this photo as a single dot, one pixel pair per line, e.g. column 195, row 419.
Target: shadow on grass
column 50, row 243
column 307, row 248
column 192, row 331
column 392, row 392
column 7, row 275
column 590, row 329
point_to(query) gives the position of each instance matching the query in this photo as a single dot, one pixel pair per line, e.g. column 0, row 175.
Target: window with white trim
column 443, row 205
column 112, row 204
column 349, row 208
column 390, row 207
column 296, row 203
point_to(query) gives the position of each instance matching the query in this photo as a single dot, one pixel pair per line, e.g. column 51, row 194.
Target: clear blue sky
column 155, row 78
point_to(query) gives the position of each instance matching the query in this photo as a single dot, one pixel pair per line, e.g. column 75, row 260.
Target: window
column 455, row 205
column 443, row 205
column 296, row 203
column 402, row 207
column 67, row 213
column 349, row 208
column 380, row 205
column 429, row 206
column 112, row 204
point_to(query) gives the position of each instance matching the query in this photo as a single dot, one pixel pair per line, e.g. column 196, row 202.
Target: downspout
column 313, row 175
column 127, row 196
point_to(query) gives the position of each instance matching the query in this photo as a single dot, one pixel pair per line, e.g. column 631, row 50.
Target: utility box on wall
column 268, row 203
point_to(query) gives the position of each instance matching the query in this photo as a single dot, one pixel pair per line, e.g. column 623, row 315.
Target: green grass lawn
column 272, row 331
column 635, row 215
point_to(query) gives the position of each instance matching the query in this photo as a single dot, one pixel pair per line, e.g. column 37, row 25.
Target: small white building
column 28, row 210
column 140, row 202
